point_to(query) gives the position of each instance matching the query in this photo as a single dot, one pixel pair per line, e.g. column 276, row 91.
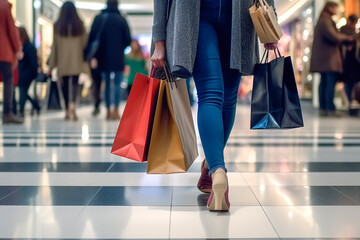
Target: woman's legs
column 330, row 91
column 112, row 92
column 70, row 92
column 65, row 89
column 23, row 97
column 231, row 88
column 326, row 92
column 74, row 89
column 7, row 74
column 322, row 86
column 217, row 87
column 74, row 96
column 117, row 90
column 208, row 78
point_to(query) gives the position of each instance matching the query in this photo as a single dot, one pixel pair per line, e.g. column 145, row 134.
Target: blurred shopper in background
column 114, row 38
column 351, row 65
column 136, row 62
column 67, row 51
column 10, row 52
column 28, row 69
column 326, row 56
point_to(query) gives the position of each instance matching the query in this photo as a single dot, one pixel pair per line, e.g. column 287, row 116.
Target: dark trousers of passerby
column 351, row 72
column 349, row 86
column 70, row 89
column 14, row 103
column 327, row 91
column 7, row 75
column 24, row 96
column 96, row 88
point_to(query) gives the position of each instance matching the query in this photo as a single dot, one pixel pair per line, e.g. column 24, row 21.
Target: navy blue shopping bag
column 275, row 102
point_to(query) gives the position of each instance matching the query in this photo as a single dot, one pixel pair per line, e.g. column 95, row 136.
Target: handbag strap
column 102, row 26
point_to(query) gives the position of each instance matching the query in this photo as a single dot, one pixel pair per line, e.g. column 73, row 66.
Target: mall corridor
column 58, row 180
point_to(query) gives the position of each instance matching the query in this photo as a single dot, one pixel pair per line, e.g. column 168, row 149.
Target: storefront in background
column 297, row 43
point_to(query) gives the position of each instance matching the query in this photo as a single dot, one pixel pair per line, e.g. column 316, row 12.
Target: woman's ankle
column 206, row 164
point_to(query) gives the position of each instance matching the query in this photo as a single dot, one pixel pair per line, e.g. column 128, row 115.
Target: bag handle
column 169, row 77
column 152, row 71
column 266, row 55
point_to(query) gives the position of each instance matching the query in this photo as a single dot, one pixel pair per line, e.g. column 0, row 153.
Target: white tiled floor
column 315, row 222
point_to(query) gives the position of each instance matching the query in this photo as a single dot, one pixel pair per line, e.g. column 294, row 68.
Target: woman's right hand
column 158, row 57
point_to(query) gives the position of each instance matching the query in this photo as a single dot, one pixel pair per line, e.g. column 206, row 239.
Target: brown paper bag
column 265, row 22
column 173, row 145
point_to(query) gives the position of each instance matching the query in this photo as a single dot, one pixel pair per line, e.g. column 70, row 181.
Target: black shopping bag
column 275, row 102
column 54, row 101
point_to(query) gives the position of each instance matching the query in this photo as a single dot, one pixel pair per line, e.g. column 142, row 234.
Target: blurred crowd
column 100, row 53
column 335, row 55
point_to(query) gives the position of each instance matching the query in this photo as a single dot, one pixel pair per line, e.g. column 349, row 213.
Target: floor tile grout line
column 262, row 207
column 341, row 192
column 87, row 204
column 11, row 193
column 110, row 167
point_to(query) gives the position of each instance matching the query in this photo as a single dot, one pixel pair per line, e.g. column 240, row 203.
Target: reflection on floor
column 58, row 180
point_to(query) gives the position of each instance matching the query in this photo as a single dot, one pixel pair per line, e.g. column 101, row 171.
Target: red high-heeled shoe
column 205, row 181
column 219, row 197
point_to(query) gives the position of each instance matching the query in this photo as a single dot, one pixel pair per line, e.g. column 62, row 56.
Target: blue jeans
column 217, row 85
column 112, row 88
column 326, row 91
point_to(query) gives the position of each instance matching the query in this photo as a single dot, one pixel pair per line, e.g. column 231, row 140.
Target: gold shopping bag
column 173, row 144
column 265, row 22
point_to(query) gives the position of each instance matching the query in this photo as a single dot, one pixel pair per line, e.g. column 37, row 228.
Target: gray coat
column 181, row 34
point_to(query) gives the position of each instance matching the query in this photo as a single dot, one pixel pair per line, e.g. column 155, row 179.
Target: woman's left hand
column 271, row 46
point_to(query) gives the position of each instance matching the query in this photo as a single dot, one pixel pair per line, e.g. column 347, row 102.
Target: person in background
column 109, row 59
column 28, row 69
column 326, row 57
column 10, row 52
column 215, row 42
column 67, row 51
column 351, row 65
column 96, row 90
column 136, row 62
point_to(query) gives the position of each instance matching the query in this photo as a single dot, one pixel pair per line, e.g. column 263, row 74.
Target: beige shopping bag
column 265, row 22
column 173, row 145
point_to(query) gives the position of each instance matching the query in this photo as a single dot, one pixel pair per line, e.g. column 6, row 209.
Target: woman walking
column 28, row 69
column 10, row 53
column 216, row 43
column 70, row 39
column 326, row 56
column 112, row 29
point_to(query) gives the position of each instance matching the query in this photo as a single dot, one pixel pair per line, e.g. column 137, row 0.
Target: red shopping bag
column 15, row 76
column 133, row 135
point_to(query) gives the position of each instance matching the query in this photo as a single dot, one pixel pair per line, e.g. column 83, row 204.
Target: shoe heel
column 219, row 196
column 218, row 199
